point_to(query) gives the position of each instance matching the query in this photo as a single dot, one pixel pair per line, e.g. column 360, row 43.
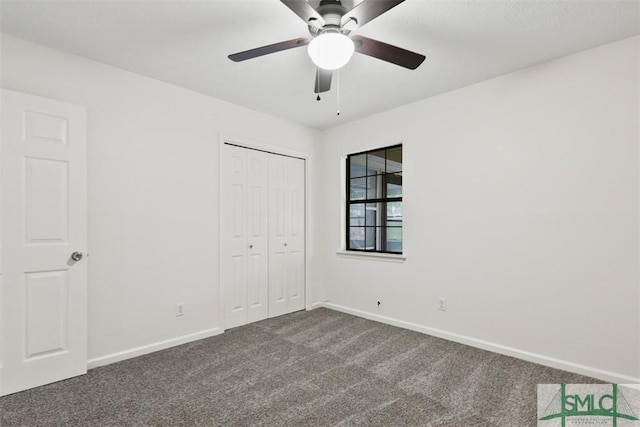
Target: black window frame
column 383, row 199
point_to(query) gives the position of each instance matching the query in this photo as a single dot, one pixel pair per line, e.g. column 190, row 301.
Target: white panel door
column 43, row 222
column 278, row 207
column 296, row 241
column 234, row 231
column 245, row 235
column 257, row 235
column 286, row 235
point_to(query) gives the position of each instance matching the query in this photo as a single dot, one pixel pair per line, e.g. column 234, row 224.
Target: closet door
column 286, row 235
column 245, row 236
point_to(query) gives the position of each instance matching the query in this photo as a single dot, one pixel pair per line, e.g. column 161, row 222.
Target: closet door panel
column 234, row 233
column 296, row 221
column 286, row 236
column 257, row 235
column 278, row 233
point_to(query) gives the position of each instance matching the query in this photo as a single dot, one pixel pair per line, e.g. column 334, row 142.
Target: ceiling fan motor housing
column 332, row 12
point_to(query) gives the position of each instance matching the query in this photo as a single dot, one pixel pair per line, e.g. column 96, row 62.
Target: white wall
column 153, row 159
column 521, row 209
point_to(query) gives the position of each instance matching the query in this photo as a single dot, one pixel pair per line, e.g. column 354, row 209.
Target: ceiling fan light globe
column 331, row 51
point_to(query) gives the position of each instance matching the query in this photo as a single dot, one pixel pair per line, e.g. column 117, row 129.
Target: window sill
column 377, row 256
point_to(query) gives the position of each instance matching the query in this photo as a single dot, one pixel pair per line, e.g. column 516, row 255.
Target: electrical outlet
column 442, row 306
column 180, row 309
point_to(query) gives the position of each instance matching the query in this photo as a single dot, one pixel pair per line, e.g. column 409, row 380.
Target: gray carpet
column 317, row 368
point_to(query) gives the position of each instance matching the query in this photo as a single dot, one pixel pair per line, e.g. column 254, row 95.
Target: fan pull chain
column 338, row 92
column 318, row 83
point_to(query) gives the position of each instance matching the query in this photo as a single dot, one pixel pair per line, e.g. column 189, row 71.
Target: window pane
column 371, row 238
column 394, row 233
column 356, row 214
column 373, row 212
column 358, row 190
column 374, row 190
column 358, row 165
column 394, row 211
column 375, row 162
column 394, row 160
column 394, row 185
column 356, row 238
column 394, row 239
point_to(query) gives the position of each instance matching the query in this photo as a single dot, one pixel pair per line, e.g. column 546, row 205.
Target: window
column 374, row 200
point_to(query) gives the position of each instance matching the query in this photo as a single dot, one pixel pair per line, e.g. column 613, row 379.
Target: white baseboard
column 150, row 348
column 551, row 362
column 317, row 305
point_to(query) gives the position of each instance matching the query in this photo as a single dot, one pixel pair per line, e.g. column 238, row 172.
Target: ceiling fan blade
column 323, row 80
column 272, row 48
column 368, row 10
column 387, row 52
column 304, row 11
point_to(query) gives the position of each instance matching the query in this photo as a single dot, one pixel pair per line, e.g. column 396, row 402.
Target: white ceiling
column 186, row 43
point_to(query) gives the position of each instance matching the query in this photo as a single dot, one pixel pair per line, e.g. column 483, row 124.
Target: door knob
column 76, row 256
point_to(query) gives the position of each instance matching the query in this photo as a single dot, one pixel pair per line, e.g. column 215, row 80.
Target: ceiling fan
column 332, row 44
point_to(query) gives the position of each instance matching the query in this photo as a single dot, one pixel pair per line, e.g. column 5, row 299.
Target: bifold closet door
column 263, row 227
column 286, row 235
column 245, row 235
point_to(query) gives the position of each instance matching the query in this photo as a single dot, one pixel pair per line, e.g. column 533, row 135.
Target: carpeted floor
column 316, row 368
